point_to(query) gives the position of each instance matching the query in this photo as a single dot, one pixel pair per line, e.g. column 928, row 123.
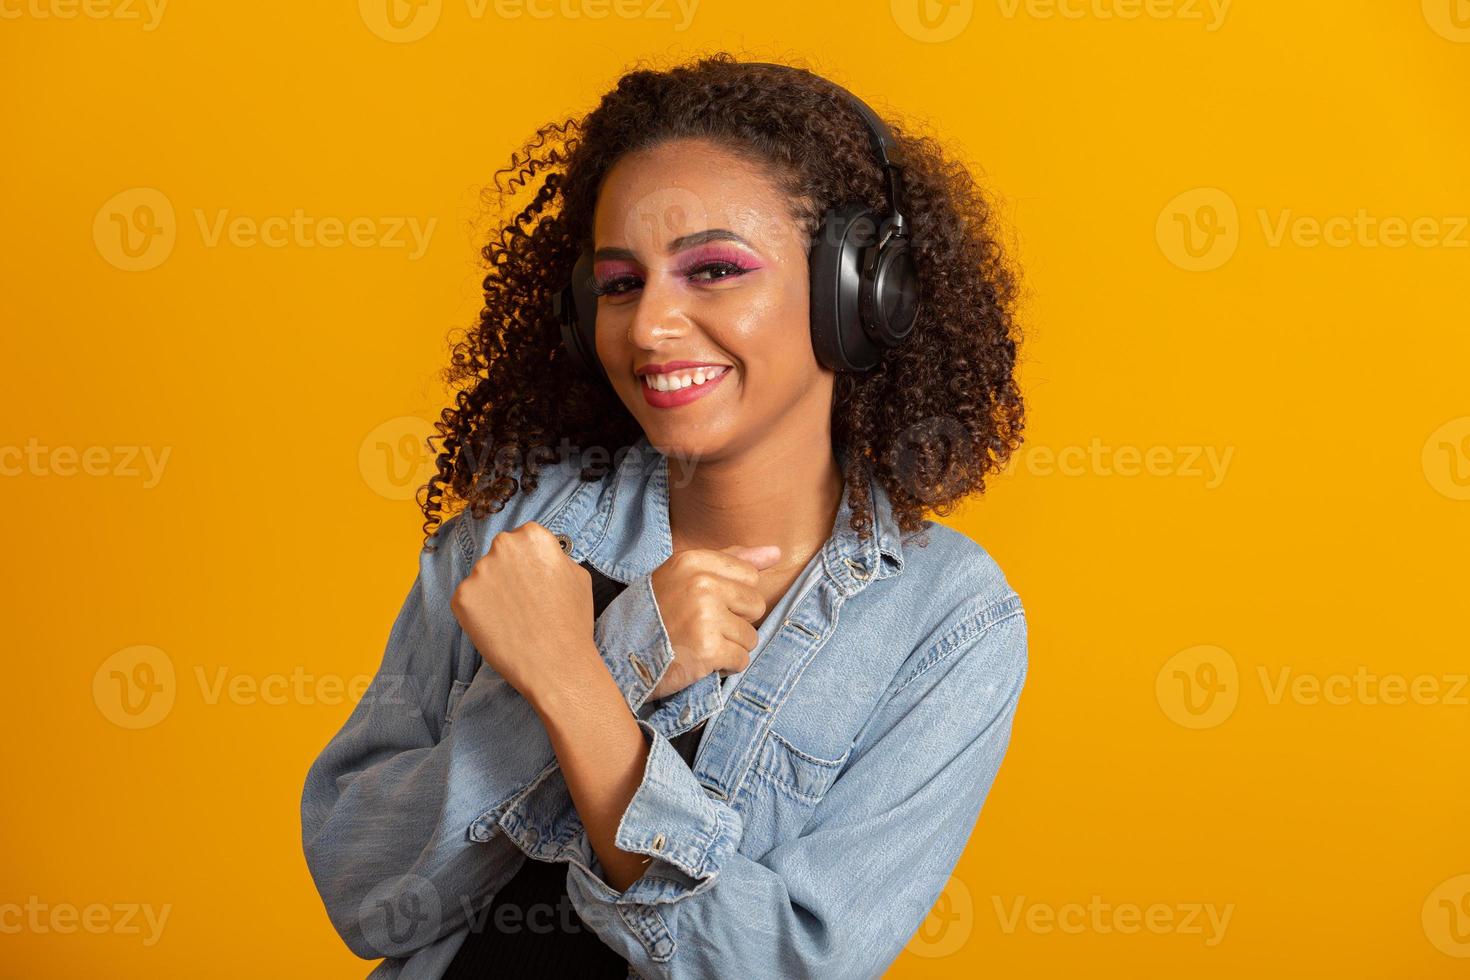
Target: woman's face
column 700, row 263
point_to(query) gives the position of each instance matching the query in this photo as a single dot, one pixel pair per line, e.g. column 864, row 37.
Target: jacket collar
column 628, row 535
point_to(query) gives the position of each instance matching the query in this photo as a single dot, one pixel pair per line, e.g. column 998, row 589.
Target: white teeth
column 676, row 380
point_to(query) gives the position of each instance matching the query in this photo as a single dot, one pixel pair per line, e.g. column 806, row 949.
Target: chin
column 678, row 442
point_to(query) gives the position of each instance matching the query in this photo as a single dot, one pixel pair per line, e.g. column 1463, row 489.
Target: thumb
column 761, row 556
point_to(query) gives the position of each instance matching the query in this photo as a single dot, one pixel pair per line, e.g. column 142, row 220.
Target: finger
column 733, row 658
column 744, row 601
column 739, row 631
column 762, row 556
column 722, row 563
column 731, row 562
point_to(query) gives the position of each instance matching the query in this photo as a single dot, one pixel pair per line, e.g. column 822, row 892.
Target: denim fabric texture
column 833, row 791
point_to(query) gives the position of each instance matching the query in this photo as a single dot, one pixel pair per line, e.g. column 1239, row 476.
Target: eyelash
column 735, row 271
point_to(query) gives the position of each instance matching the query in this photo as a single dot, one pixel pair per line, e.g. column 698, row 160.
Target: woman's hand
column 527, row 608
column 708, row 601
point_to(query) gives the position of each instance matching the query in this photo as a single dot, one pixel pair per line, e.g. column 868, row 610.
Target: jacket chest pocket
column 800, row 775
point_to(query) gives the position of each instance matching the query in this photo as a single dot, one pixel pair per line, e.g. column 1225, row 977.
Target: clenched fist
column 708, row 601
column 527, row 608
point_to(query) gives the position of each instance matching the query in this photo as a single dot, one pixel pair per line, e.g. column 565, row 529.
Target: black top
column 531, row 929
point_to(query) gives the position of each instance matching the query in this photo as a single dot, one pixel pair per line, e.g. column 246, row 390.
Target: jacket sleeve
column 844, row 898
column 388, row 804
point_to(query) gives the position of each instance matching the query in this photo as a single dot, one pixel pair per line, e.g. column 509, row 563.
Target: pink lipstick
column 679, row 382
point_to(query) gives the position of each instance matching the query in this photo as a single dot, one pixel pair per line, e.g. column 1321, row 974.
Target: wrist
column 576, row 674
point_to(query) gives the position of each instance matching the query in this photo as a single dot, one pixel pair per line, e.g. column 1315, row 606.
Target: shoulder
column 957, row 565
column 958, row 577
column 962, row 602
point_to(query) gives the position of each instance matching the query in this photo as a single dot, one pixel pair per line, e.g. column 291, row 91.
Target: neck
column 778, row 492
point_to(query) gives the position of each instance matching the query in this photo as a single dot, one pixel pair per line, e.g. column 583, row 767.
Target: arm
column 388, row 804
column 843, row 899
column 602, row 755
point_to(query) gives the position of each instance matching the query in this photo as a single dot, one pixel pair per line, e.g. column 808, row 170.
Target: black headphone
column 864, row 287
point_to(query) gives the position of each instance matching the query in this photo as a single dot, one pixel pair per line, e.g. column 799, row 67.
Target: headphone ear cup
column 890, row 296
column 836, row 272
column 576, row 308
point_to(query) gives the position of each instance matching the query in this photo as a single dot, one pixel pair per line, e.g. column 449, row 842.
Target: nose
column 659, row 314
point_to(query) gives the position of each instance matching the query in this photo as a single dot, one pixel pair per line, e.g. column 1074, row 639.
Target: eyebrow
column 677, row 245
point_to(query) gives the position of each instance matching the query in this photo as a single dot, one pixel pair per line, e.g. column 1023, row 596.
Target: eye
column 616, row 286
column 716, row 270
column 710, row 270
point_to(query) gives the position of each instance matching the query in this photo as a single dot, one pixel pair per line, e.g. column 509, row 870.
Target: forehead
column 652, row 196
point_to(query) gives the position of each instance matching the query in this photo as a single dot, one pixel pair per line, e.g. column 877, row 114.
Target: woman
column 785, row 334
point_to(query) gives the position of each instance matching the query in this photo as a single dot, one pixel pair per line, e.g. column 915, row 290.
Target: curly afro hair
column 931, row 421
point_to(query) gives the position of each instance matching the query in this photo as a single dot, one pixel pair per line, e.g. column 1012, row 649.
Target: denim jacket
column 833, row 791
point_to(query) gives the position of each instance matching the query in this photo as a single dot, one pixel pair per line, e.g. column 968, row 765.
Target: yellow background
column 1161, row 175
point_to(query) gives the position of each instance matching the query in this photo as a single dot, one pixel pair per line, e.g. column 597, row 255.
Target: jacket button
column 565, row 542
column 658, row 843
column 685, row 715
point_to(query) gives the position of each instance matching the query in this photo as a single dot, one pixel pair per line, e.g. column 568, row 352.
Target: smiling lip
column 685, row 395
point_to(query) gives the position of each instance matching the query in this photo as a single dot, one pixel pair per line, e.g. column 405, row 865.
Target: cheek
column 613, row 347
column 770, row 331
